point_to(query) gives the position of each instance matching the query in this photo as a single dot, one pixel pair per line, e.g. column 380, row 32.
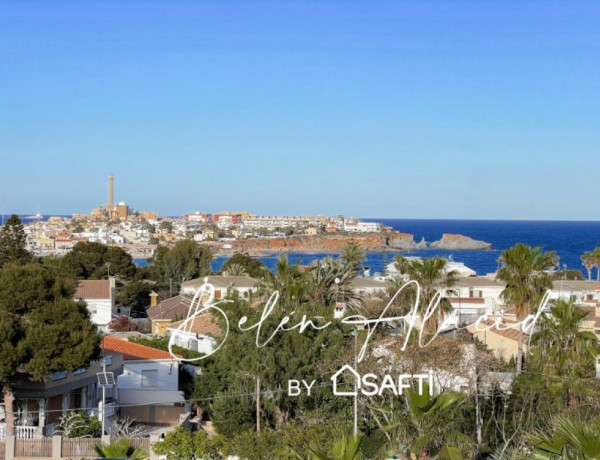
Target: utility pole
column 258, row 404
column 104, row 379
column 103, row 398
column 356, row 395
column 477, row 409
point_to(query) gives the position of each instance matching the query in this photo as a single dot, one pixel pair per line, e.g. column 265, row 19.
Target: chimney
column 153, row 299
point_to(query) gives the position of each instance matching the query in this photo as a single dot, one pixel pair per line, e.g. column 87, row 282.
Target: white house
column 579, row 291
column 451, row 265
column 100, row 297
column 222, row 284
column 475, row 296
column 149, row 375
column 198, row 334
column 368, row 286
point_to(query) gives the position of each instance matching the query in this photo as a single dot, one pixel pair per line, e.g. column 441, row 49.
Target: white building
column 222, row 284
column 368, row 286
column 579, row 291
column 198, row 334
column 100, row 298
column 476, row 295
column 150, row 376
column 361, row 227
column 273, row 222
column 451, row 265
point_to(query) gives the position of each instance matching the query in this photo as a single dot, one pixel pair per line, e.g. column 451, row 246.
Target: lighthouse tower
column 111, row 193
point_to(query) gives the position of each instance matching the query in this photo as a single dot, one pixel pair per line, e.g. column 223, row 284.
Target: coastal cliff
column 455, row 242
column 370, row 242
column 335, row 242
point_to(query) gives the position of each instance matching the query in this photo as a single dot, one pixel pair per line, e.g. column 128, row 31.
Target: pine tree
column 42, row 330
column 12, row 242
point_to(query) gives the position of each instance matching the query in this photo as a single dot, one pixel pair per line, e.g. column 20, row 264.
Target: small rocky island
column 455, row 242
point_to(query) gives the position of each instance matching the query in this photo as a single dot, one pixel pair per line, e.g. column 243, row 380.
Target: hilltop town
column 141, row 232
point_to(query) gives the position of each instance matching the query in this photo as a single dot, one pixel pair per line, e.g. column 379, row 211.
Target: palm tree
column 120, row 448
column 431, row 425
column 289, row 280
column 353, row 255
column 433, row 276
column 587, row 259
column 401, row 262
column 567, row 438
column 524, row 270
column 596, row 259
column 330, row 281
column 236, row 270
column 560, row 344
column 344, row 447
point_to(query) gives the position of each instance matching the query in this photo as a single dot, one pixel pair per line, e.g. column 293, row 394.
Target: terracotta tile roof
column 479, row 281
column 204, row 324
column 466, row 300
column 591, row 315
column 361, row 282
column 92, row 289
column 133, row 351
column 512, row 334
column 170, row 309
column 575, row 285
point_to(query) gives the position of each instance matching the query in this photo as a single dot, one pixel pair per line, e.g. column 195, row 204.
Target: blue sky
column 365, row 108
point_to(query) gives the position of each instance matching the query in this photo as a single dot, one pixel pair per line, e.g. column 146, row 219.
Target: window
column 59, row 375
column 150, row 378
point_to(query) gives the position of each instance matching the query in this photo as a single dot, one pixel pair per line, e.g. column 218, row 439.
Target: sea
column 570, row 239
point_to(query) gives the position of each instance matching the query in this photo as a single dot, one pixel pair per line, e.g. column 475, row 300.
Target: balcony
column 22, row 432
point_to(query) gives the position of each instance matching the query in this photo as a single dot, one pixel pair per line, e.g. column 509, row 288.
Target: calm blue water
column 569, row 239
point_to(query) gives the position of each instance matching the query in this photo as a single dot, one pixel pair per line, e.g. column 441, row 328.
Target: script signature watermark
column 204, row 302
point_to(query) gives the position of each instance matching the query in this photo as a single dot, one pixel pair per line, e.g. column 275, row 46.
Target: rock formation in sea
column 455, row 242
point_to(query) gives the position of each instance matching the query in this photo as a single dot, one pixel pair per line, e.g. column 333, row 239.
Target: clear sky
column 474, row 109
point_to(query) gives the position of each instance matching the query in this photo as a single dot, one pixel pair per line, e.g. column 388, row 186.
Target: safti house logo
column 335, row 378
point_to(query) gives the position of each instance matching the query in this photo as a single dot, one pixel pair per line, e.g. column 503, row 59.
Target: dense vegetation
column 544, row 404
column 547, row 407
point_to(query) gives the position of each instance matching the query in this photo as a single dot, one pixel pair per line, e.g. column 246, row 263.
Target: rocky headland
column 335, row 242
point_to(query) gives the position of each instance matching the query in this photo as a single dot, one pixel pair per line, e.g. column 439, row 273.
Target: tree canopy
column 13, row 242
column 252, row 266
column 187, row 260
column 42, row 330
column 90, row 260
